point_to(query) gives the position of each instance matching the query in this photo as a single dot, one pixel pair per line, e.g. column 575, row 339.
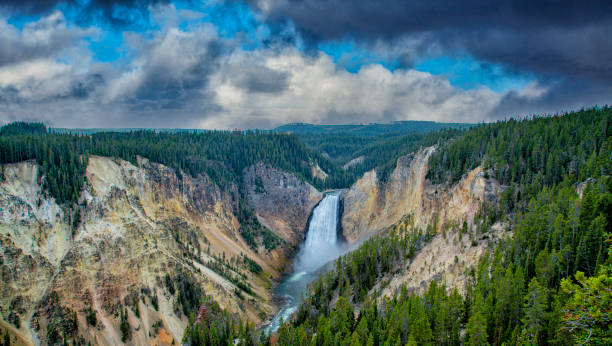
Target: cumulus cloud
column 318, row 92
column 46, row 37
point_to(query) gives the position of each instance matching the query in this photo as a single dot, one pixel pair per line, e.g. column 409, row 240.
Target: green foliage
column 252, row 265
column 532, row 152
column 356, row 273
column 379, row 145
column 254, row 232
column 6, row 341
column 221, row 267
column 431, row 319
column 369, row 130
column 476, row 329
column 383, row 154
column 61, row 321
column 520, row 293
column 586, row 311
column 23, row 128
column 221, row 155
column 534, row 311
column 14, row 319
column 124, row 326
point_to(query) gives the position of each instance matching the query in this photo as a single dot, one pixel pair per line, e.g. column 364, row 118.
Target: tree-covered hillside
column 550, row 283
column 531, row 153
column 220, row 155
column 369, row 130
column 373, row 145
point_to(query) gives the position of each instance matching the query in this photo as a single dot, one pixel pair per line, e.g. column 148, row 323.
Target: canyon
column 140, row 223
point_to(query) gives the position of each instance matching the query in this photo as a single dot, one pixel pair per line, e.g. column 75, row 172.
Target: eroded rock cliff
column 137, row 227
column 407, row 200
column 371, row 205
column 281, row 201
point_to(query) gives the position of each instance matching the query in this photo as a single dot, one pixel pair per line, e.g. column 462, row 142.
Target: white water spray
column 321, row 245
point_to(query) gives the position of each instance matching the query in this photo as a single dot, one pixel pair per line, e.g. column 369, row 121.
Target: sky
column 228, row 64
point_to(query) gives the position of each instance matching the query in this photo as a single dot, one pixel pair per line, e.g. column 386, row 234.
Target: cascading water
column 320, row 247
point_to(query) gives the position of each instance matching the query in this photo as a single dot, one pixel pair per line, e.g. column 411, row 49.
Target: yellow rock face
column 371, row 205
column 139, row 223
column 408, row 200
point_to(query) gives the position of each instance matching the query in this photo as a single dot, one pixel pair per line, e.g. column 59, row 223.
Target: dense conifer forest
column 378, row 145
column 550, row 283
column 220, row 154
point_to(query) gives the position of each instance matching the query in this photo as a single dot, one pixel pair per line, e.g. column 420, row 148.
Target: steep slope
column 143, row 230
column 372, row 205
column 281, row 201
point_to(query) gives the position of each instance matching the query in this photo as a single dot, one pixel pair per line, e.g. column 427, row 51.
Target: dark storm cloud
column 171, row 89
column 41, row 6
column 331, row 19
column 260, row 79
column 81, row 89
column 88, row 12
column 551, row 36
column 29, row 7
column 561, row 96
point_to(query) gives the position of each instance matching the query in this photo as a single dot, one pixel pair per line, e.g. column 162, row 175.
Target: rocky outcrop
column 354, row 162
column 317, row 172
column 281, row 201
column 371, row 205
column 408, row 200
column 446, row 259
column 141, row 225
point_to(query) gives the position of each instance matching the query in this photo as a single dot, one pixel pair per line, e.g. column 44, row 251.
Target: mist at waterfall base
column 320, row 247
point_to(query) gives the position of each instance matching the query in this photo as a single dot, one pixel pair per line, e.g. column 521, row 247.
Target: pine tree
column 476, row 329
column 535, row 310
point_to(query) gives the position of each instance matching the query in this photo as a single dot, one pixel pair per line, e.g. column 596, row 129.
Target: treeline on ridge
column 530, row 153
column 221, row 155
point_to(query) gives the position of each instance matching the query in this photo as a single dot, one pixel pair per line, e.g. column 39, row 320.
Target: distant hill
column 410, row 126
column 375, row 145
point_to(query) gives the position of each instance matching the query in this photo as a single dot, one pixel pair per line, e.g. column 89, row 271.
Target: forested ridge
column 221, row 155
column 531, row 153
column 377, row 146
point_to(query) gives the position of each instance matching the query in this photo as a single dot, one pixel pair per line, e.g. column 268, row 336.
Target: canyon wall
column 138, row 226
column 281, row 201
column 372, row 205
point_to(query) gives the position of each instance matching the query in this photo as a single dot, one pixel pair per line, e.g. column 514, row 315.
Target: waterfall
column 321, row 244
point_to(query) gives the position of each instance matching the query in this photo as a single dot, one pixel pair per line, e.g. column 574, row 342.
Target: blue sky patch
column 468, row 73
column 349, row 56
